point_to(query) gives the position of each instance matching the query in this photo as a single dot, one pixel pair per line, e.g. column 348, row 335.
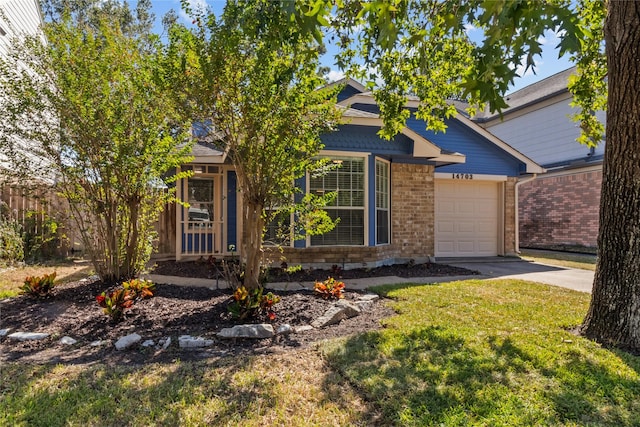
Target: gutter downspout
column 518, row 184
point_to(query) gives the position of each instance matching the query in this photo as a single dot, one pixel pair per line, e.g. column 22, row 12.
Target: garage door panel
column 446, row 227
column 466, row 218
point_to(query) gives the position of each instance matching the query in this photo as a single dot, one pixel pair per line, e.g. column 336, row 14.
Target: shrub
column 11, row 243
column 329, row 289
column 115, row 303
column 140, row 288
column 37, row 286
column 252, row 303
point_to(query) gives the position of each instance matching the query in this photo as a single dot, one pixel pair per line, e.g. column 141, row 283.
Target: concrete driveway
column 514, row 268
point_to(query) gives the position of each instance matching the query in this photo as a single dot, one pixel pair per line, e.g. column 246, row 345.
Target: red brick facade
column 560, row 210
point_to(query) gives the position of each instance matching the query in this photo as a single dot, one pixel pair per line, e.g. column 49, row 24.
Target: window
column 278, row 231
column 382, row 202
column 348, row 181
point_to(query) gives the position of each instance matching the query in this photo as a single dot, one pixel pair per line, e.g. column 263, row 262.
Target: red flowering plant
column 329, row 289
column 252, row 303
column 115, row 303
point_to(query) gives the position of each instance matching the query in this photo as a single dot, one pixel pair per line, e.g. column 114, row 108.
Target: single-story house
column 419, row 196
column 560, row 208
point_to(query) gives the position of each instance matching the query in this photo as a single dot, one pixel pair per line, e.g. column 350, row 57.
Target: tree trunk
column 253, row 227
column 614, row 314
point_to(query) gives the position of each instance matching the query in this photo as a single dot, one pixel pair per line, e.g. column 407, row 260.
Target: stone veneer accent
column 412, row 227
column 560, row 210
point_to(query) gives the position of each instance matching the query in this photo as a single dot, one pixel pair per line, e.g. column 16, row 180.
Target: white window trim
column 388, row 163
column 354, row 154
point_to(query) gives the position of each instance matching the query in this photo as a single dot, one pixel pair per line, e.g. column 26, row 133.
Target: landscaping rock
column 166, row 342
column 28, row 336
column 3, row 332
column 98, row 343
column 285, row 329
column 67, row 341
column 302, row 328
column 260, row 331
column 340, row 311
column 148, row 343
column 187, row 341
column 365, row 302
column 127, row 341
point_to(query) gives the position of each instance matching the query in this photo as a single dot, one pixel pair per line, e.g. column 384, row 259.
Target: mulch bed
column 173, row 311
column 210, row 270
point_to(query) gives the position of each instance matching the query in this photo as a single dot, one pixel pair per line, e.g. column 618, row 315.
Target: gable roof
column 537, row 92
column 530, row 165
column 422, row 147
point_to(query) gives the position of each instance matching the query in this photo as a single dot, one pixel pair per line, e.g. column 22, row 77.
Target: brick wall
column 413, row 214
column 560, row 210
column 510, row 216
column 412, row 232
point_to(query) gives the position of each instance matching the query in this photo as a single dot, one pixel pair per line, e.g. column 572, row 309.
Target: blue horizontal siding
column 347, row 92
column 482, row 156
column 365, row 139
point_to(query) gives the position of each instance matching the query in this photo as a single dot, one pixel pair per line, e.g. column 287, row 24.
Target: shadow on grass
column 433, row 376
column 232, row 391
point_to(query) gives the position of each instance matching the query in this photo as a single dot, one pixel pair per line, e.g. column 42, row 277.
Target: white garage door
column 466, row 218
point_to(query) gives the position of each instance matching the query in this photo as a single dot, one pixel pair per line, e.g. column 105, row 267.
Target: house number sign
column 462, row 176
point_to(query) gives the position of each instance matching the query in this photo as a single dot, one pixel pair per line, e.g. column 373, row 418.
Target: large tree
column 250, row 76
column 421, row 47
column 87, row 104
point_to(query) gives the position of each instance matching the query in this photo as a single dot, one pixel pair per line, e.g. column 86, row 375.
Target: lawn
column 464, row 353
column 11, row 278
column 561, row 259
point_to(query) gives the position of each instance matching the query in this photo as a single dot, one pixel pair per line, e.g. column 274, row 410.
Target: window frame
column 387, row 193
column 364, row 156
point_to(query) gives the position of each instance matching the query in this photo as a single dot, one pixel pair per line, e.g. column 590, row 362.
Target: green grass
column 471, row 353
column 291, row 389
column 12, row 278
column 489, row 353
column 561, row 259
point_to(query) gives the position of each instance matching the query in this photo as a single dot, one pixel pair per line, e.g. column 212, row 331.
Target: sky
column 546, row 65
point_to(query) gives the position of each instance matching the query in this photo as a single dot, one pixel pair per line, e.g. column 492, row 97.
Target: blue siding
column 365, row 139
column 232, row 210
column 347, row 92
column 482, row 155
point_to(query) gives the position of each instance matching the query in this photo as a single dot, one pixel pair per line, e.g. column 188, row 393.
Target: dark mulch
column 173, row 311
column 211, row 270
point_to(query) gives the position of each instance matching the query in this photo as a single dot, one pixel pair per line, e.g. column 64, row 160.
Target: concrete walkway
column 490, row 268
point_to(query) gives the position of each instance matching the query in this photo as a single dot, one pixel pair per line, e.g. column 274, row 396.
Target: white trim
column 375, row 209
column 422, row 147
column 348, row 81
column 475, row 176
column 564, row 171
column 532, row 167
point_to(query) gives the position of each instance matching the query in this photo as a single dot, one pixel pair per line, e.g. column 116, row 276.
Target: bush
column 11, row 243
column 329, row 289
column 140, row 288
column 250, row 304
column 39, row 287
column 115, row 303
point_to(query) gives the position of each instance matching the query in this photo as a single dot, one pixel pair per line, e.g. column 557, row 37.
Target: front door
column 201, row 222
